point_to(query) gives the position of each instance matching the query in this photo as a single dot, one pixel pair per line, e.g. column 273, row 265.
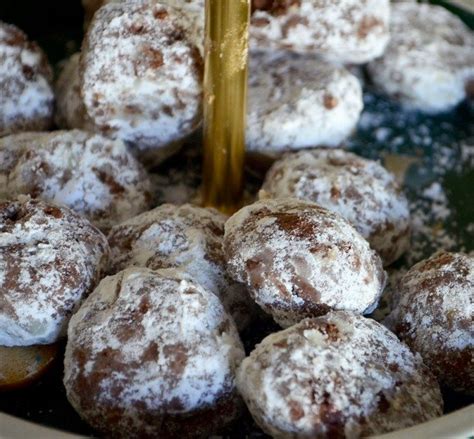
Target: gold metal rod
column 225, row 102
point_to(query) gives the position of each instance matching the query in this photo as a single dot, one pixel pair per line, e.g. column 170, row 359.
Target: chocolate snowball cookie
column 429, row 63
column 340, row 375
column 186, row 237
column 360, row 190
column 151, row 354
column 26, row 98
column 341, row 31
column 92, row 175
column 50, row 259
column 141, row 74
column 299, row 102
column 434, row 316
column 300, row 260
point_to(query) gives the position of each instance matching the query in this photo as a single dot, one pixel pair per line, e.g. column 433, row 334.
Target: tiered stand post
column 225, row 102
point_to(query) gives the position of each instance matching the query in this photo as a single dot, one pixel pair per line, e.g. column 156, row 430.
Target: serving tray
column 433, row 156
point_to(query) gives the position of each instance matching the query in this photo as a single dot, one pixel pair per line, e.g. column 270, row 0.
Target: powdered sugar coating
column 340, row 375
column 430, row 60
column 341, row 31
column 434, row 316
column 150, row 351
column 26, row 97
column 362, row 191
column 70, row 110
column 297, row 102
column 189, row 6
column 300, row 260
column 187, row 237
column 141, row 76
column 50, row 259
column 94, row 176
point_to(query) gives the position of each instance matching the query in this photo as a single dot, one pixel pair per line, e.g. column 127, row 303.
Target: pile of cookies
column 153, row 299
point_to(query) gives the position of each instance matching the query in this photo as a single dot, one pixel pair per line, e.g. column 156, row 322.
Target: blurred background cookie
column 429, row 63
column 299, row 102
column 26, row 98
column 343, row 31
column 70, row 111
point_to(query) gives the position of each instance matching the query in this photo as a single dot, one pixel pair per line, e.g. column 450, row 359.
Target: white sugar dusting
column 297, row 102
column 429, row 213
column 429, row 60
column 92, row 175
column 186, row 237
column 360, row 190
column 347, row 31
column 433, row 314
column 181, row 356
column 50, row 258
column 141, row 75
column 340, row 372
column 297, row 257
column 26, row 98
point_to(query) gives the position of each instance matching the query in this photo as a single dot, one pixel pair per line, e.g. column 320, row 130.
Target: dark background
column 55, row 24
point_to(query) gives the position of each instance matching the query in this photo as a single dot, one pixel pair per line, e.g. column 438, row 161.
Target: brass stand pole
column 225, row 102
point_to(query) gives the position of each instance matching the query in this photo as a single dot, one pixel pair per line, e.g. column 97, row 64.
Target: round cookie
column 340, row 375
column 300, row 260
column 433, row 316
column 429, row 62
column 186, row 237
column 360, row 190
column 141, row 74
column 299, row 102
column 70, row 110
column 151, row 354
column 26, row 100
column 341, row 31
column 92, row 175
column 50, row 259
